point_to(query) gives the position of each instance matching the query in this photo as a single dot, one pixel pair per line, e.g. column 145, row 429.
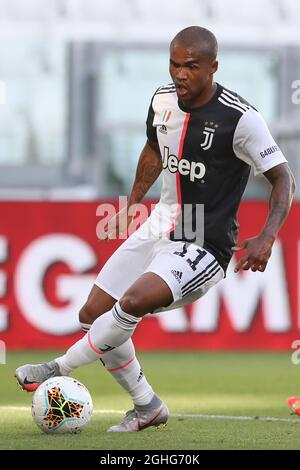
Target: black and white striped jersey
column 207, row 154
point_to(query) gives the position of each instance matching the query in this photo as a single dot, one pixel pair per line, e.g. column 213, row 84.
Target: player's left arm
column 259, row 249
column 254, row 144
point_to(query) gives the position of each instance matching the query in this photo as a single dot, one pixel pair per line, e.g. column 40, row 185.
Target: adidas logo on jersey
column 177, row 275
column 163, row 130
column 195, row 170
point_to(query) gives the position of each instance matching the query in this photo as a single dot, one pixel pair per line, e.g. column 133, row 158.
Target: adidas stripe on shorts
column 189, row 271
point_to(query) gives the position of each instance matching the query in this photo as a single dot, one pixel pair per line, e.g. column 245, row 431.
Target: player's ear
column 214, row 66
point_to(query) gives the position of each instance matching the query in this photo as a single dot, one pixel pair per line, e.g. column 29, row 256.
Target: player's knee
column 131, row 304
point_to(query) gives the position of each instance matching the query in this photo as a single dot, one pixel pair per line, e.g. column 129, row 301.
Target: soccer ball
column 61, row 405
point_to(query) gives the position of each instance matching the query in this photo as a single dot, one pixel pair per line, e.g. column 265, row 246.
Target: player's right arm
column 148, row 169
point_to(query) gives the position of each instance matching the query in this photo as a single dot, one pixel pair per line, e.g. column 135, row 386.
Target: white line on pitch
column 181, row 415
column 14, row 408
column 235, row 418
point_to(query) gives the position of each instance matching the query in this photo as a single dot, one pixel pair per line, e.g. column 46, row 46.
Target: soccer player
column 204, row 139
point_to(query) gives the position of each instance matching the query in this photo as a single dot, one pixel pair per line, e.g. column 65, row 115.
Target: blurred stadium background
column 76, row 79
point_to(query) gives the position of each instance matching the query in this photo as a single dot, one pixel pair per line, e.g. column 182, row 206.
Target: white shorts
column 189, row 271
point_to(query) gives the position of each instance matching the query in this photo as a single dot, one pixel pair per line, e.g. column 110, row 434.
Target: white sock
column 124, row 367
column 108, row 331
column 126, row 370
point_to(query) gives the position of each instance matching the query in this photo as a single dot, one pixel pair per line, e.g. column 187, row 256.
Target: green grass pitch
column 193, row 384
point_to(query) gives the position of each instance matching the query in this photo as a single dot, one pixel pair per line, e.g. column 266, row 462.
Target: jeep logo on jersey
column 195, row 170
column 208, row 135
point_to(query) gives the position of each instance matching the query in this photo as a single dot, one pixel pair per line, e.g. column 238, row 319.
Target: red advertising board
column 50, row 256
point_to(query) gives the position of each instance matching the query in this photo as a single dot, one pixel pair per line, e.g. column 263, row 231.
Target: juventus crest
column 209, row 132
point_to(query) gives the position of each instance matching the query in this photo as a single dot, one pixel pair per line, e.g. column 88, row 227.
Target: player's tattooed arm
column 259, row 249
column 284, row 187
column 148, row 169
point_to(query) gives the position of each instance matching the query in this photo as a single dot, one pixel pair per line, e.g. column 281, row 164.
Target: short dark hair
column 198, row 38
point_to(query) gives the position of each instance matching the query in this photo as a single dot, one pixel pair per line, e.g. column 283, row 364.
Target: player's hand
column 258, row 251
column 117, row 225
